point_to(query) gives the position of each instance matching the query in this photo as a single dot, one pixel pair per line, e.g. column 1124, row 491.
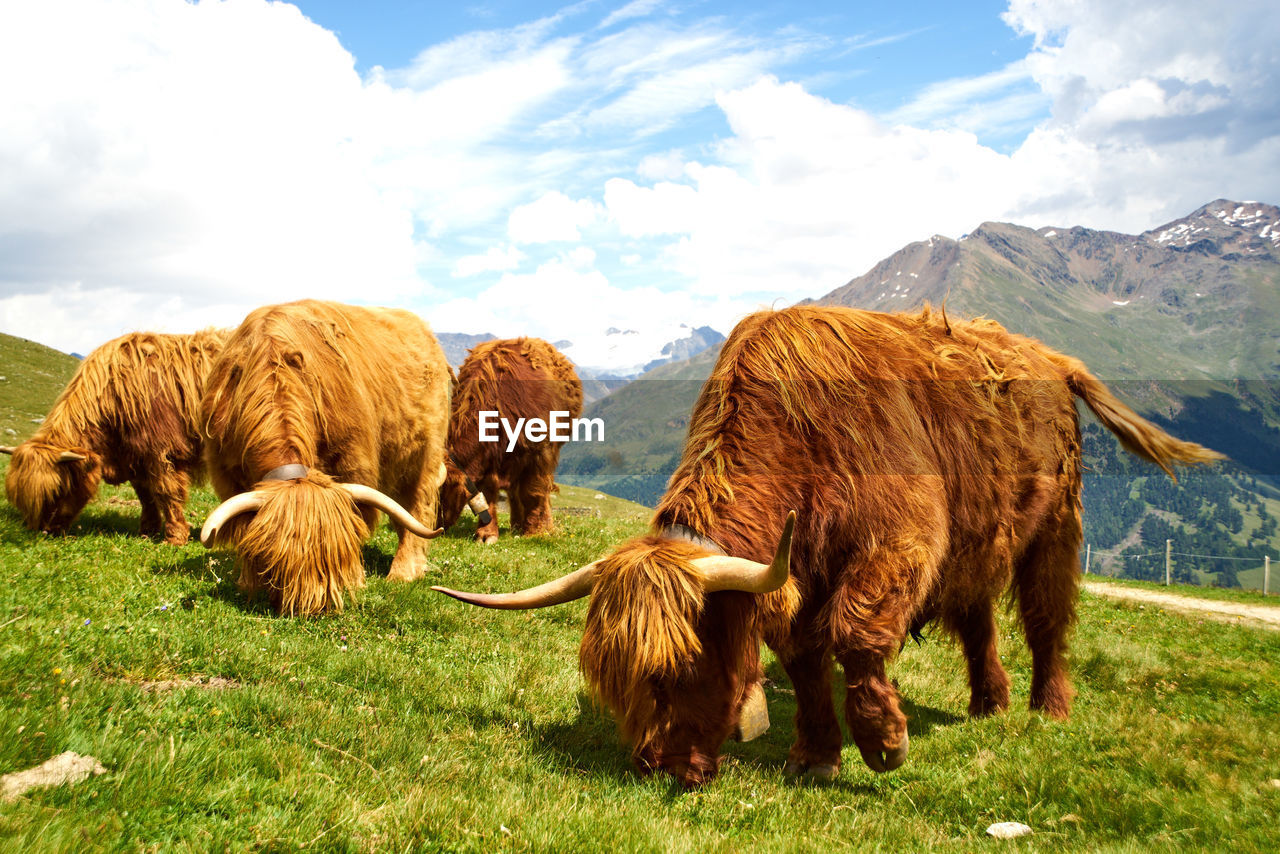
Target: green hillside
column 645, row 426
column 31, row 377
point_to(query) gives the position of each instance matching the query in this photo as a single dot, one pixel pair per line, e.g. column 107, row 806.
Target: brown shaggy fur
column 133, row 411
column 519, row 378
column 358, row 395
column 933, row 466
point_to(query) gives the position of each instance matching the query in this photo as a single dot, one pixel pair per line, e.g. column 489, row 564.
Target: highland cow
column 130, row 413
column 933, row 465
column 319, row 415
column 516, row 378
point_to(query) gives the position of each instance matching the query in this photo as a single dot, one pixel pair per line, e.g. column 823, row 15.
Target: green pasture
column 411, row 722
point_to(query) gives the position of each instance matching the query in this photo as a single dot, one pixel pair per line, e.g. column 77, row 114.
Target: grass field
column 411, row 722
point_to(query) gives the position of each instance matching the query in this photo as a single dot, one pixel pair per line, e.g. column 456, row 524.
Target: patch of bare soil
column 1266, row 616
column 65, row 769
column 210, row 683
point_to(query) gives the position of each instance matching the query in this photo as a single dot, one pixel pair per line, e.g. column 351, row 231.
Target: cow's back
column 873, row 425
column 353, row 391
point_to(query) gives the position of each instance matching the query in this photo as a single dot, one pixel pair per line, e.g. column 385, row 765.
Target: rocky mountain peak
column 1222, row 227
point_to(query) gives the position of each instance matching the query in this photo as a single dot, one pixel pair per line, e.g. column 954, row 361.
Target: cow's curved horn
column 566, row 588
column 71, row 457
column 735, row 573
column 368, row 495
column 5, row 449
column 245, row 502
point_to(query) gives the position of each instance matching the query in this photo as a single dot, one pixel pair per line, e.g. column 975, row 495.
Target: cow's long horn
column 5, row 449
column 368, row 495
column 566, row 588
column 71, row 457
column 227, row 510
column 735, row 573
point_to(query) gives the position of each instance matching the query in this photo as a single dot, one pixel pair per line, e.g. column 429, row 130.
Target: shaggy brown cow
column 933, row 465
column 517, row 378
column 318, row 415
column 130, row 413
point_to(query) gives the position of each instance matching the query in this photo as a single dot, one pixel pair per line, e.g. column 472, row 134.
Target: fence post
column 1168, row 557
column 1266, row 574
column 1088, row 550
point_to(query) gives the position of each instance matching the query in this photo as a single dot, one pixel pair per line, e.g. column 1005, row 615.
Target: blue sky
column 560, row 169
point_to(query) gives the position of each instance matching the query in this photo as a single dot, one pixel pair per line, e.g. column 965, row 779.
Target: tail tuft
column 1138, row 436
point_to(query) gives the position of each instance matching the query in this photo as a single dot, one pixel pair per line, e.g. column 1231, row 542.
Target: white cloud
column 567, row 298
column 494, row 259
column 806, row 193
column 553, row 217
column 161, row 147
column 1155, row 71
column 634, row 9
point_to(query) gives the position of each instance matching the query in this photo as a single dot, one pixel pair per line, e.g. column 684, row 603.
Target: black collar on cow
column 293, row 471
column 688, row 535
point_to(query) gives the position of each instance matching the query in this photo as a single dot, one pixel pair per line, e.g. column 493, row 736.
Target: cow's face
column 453, row 497
column 50, row 485
column 674, row 663
column 300, row 542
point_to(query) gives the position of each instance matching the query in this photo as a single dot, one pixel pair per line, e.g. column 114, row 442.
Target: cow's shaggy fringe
column 645, row 605
column 359, row 395
column 133, row 410
column 647, row 608
column 519, row 378
column 281, row 553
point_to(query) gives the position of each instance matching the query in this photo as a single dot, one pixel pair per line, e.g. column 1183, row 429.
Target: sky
column 560, row 170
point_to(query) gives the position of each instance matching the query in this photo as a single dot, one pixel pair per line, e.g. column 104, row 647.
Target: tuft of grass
column 410, row 721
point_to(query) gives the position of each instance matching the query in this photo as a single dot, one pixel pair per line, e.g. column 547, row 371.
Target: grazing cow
column 933, row 465
column 517, row 378
column 317, row 416
column 130, row 413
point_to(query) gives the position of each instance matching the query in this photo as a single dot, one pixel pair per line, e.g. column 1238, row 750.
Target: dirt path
column 1266, row 616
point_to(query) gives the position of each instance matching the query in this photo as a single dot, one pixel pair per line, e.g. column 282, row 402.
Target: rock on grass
column 65, row 769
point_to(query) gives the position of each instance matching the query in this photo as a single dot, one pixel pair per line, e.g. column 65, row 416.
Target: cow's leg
column 516, row 503
column 1046, row 582
column 816, row 751
column 164, row 500
column 876, row 721
column 150, row 526
column 171, row 497
column 533, row 493
column 988, row 682
column 410, row 561
column 869, row 615
column 488, row 534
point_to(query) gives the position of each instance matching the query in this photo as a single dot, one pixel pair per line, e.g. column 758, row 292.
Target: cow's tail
column 1136, row 434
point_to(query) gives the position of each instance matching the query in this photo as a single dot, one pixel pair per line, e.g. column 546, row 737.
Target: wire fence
column 1263, row 563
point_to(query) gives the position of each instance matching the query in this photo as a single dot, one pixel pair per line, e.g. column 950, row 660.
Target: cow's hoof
column 820, row 772
column 889, row 759
column 489, row 540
